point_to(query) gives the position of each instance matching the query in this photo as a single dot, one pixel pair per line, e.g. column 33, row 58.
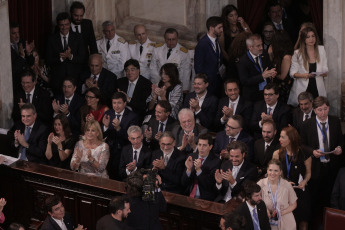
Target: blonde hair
column 94, row 124
column 303, row 47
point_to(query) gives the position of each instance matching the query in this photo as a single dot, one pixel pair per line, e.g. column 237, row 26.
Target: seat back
column 333, row 219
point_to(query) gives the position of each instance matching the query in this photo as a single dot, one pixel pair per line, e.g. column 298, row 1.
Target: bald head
column 140, row 33
column 95, row 63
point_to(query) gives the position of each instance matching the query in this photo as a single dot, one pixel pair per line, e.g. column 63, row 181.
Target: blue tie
column 256, row 220
column 26, row 137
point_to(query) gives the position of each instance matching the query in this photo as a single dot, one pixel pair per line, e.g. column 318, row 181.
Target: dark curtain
column 252, row 11
column 316, row 8
column 34, row 18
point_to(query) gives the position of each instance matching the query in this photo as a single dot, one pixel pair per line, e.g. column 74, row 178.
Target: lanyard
column 274, row 198
column 324, row 134
column 288, row 164
column 255, row 64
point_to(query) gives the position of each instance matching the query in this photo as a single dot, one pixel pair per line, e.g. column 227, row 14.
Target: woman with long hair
column 168, row 89
column 60, row 143
column 280, row 53
column 297, row 170
column 279, row 197
column 91, row 154
column 308, row 67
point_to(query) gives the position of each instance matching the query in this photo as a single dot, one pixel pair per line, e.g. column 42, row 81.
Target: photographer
column 146, row 200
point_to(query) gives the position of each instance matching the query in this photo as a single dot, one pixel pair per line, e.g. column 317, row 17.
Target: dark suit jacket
column 247, row 171
column 171, row 175
column 206, row 60
column 88, row 36
column 222, row 140
column 74, row 112
column 281, row 117
column 297, row 118
column 141, row 92
column 208, row 109
column 244, row 108
column 67, row 68
column 154, row 125
column 178, row 133
column 205, row 180
column 338, row 193
column 42, row 102
column 244, row 211
column 37, row 141
column 309, row 136
column 261, row 158
column 144, row 160
column 250, row 77
column 50, row 224
column 106, row 82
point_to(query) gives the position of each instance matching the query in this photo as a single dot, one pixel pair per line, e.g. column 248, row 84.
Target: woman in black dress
column 296, row 169
column 60, row 143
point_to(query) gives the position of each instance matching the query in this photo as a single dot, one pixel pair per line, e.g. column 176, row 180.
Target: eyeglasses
column 228, row 126
column 268, row 94
column 166, row 144
column 89, row 97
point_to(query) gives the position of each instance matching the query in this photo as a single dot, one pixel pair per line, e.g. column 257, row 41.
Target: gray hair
column 250, row 40
column 305, row 96
column 107, row 23
column 134, row 129
column 167, row 134
column 185, row 111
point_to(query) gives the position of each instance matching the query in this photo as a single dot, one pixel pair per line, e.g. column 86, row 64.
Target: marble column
column 333, row 19
column 6, row 95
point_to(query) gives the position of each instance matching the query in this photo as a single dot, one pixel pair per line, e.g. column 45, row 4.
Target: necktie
column 64, row 44
column 216, row 43
column 235, row 170
column 233, row 108
column 192, row 193
column 28, row 97
column 306, row 117
column 94, row 79
column 166, row 160
column 325, row 139
column 130, row 89
column 280, row 26
column 15, row 47
column 266, row 147
column 169, row 52
column 26, row 137
column 108, row 45
column 67, row 101
column 118, row 116
column 141, row 49
column 256, row 222
column 77, row 29
column 269, row 110
column 135, row 156
column 231, row 139
column 161, row 127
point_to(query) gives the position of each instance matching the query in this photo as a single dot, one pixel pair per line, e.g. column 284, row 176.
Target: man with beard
column 119, row 208
column 304, row 111
column 254, row 209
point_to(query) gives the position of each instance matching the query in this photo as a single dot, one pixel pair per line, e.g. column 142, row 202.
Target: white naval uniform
column 145, row 57
column 179, row 56
column 117, row 55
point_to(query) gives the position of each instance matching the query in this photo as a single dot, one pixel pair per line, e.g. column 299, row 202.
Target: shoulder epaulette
column 183, row 49
column 122, row 40
column 152, row 44
column 159, row 45
column 132, row 42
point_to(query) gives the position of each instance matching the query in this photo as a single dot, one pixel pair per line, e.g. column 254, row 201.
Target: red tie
column 192, row 194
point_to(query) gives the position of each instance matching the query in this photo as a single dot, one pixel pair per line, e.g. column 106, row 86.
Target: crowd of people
column 244, row 115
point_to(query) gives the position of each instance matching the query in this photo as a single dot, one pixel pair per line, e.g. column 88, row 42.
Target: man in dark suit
column 65, row 53
column 253, row 209
column 169, row 162
column 84, row 27
column 338, row 192
column 198, row 180
column 323, row 134
column 233, row 104
column 161, row 122
column 186, row 133
column 69, row 103
column 30, row 136
column 254, row 69
column 57, row 217
column 134, row 156
column 115, row 124
column 270, row 109
column 233, row 132
column 304, row 111
column 21, row 54
column 136, row 87
column 202, row 102
column 208, row 55
column 30, row 92
column 119, row 208
column 265, row 146
column 99, row 77
column 234, row 172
